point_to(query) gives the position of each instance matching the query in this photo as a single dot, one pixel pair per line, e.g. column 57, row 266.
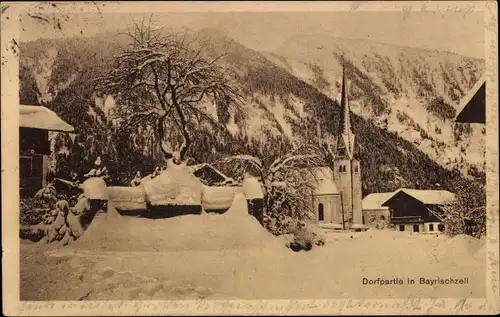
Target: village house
column 473, row 105
column 417, row 210
column 373, row 211
column 35, row 122
column 337, row 194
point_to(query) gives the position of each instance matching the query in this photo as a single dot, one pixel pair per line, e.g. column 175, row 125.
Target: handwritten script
column 281, row 307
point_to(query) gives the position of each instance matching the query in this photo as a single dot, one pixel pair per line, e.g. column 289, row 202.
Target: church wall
column 331, row 208
column 337, row 209
column 351, row 189
column 357, row 193
column 342, row 176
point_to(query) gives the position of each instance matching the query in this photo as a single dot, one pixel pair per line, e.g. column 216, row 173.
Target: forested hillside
column 281, row 107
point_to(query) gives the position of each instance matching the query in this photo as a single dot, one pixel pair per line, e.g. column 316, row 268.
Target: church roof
column 325, row 183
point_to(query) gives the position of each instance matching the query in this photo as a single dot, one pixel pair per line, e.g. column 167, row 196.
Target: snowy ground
column 231, row 256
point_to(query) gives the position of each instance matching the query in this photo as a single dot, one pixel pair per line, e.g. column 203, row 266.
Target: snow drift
column 462, row 245
column 175, row 186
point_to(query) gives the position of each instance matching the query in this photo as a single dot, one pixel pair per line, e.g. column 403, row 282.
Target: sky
column 265, row 31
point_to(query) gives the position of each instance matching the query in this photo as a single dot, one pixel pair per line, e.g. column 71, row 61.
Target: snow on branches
column 163, row 81
column 286, row 179
column 466, row 214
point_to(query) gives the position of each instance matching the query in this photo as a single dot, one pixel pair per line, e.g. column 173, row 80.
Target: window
column 321, row 213
column 26, row 166
column 431, row 227
column 401, row 228
column 342, row 168
column 355, row 169
column 441, row 228
column 416, row 228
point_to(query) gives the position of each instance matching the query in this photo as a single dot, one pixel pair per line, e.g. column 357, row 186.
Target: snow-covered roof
column 325, row 185
column 374, row 201
column 39, row 117
column 472, row 107
column 426, row 196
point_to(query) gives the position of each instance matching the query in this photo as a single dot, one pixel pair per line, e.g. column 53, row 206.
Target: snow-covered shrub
column 33, row 209
column 300, row 236
column 33, row 233
column 286, row 180
column 305, row 237
column 466, row 214
column 458, row 219
column 47, row 194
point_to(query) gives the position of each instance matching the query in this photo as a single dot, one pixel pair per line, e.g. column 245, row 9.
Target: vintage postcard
column 250, row 158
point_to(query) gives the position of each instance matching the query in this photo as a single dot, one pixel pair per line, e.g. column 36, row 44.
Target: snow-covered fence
column 128, row 199
column 177, row 191
column 218, row 199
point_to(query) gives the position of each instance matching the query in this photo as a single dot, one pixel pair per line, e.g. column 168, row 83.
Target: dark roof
column 199, row 167
column 425, row 196
column 473, row 105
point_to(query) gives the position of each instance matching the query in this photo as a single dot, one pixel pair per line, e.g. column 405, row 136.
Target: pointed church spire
column 346, row 137
column 345, row 124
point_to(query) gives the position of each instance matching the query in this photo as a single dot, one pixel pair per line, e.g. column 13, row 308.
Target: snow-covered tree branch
column 286, row 179
column 466, row 214
column 163, row 81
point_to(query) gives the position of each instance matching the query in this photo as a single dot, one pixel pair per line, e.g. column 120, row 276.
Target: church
column 337, row 199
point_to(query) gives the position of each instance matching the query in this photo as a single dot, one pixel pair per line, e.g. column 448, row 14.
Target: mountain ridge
column 280, row 104
column 392, row 82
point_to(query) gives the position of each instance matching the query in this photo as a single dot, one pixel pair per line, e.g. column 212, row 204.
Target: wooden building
column 473, row 105
column 35, row 122
column 415, row 210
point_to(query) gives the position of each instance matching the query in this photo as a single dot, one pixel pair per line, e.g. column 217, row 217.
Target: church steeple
column 345, row 143
column 345, row 123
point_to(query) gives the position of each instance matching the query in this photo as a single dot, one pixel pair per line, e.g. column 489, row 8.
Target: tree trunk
column 161, row 134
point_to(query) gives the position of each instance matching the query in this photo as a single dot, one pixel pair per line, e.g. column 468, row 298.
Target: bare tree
column 162, row 83
column 286, row 179
column 459, row 219
column 466, row 214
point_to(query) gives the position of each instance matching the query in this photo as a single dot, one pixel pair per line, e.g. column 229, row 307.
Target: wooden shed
column 35, row 122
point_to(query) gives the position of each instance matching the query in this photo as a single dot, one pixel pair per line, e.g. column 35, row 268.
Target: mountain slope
column 413, row 92
column 280, row 108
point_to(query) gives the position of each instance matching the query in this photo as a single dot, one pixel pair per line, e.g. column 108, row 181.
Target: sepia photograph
column 170, row 155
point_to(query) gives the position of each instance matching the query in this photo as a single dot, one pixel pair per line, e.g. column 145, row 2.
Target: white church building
column 337, row 199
